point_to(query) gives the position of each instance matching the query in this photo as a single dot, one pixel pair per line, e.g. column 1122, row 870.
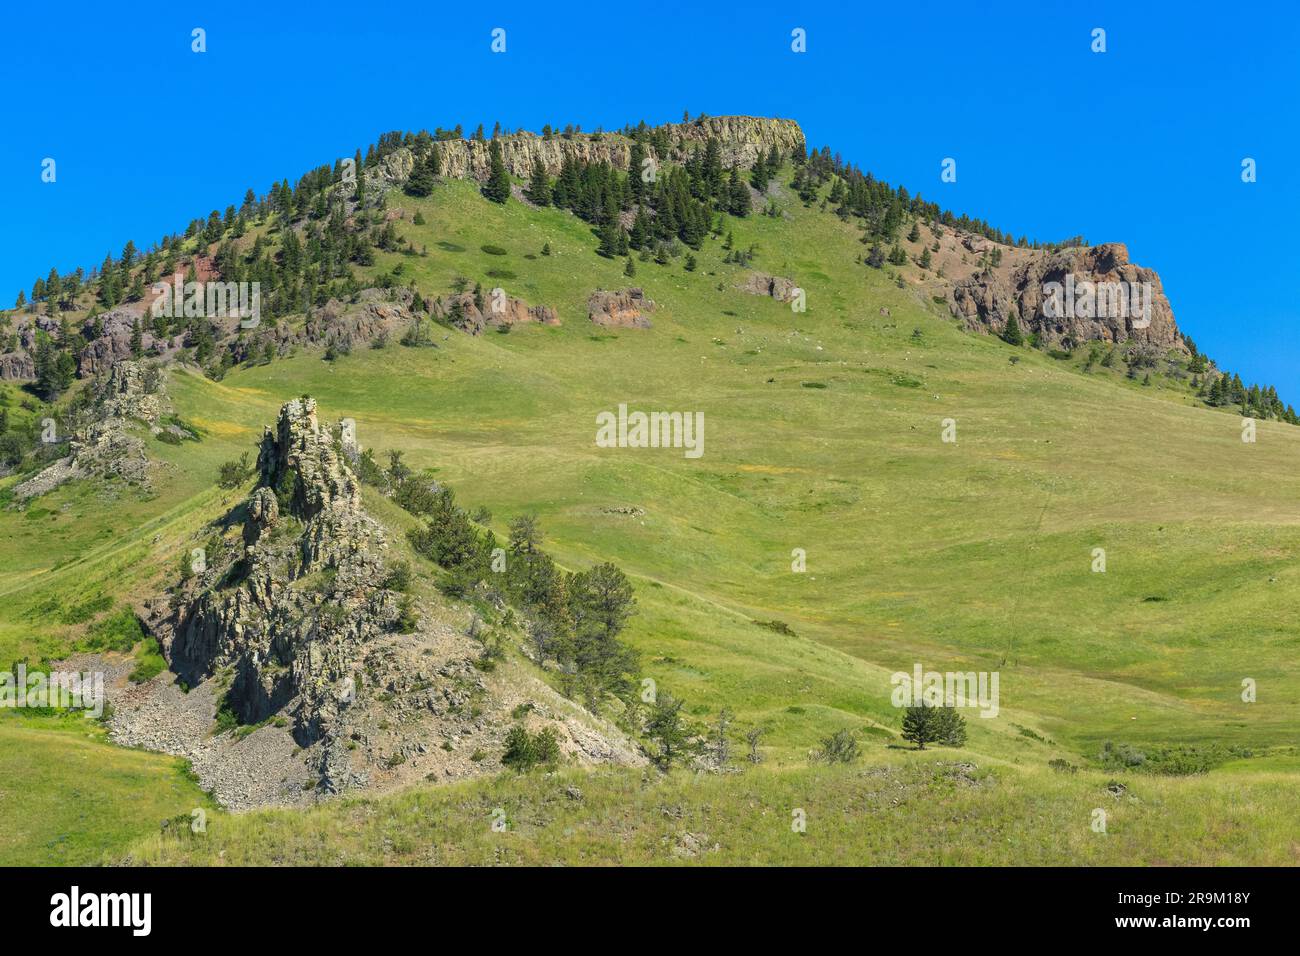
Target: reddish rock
column 620, row 310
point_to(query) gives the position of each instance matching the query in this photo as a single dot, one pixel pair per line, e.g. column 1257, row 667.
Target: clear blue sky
column 1142, row 144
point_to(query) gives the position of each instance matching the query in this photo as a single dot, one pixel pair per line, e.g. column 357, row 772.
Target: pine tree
column 1012, row 334
column 920, row 725
column 629, row 269
column 497, row 187
column 924, row 724
column 613, row 241
column 422, row 179
column 738, row 203
column 539, row 186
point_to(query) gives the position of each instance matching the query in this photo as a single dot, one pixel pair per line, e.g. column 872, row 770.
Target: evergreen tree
column 1011, row 334
column 539, row 186
column 738, row 203
column 497, row 187
column 665, row 727
column 924, row 724
column 613, row 241
column 422, row 178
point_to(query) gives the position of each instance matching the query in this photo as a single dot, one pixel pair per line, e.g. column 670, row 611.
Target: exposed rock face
column 105, row 447
column 108, row 344
column 17, row 367
column 113, row 345
column 987, row 300
column 287, row 609
column 498, row 310
column 350, row 324
column 132, row 391
column 623, row 310
column 778, row 287
column 742, row 138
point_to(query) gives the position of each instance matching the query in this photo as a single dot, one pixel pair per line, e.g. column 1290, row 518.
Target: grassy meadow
column 822, row 433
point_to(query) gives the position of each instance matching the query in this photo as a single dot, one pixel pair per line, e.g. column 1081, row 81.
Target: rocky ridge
column 742, row 138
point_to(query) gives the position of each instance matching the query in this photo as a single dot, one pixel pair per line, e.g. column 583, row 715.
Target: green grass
column 69, row 798
column 822, row 433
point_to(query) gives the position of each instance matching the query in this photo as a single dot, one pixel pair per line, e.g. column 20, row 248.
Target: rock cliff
column 742, row 139
column 1072, row 296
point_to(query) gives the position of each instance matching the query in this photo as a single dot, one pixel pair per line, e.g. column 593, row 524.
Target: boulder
column 778, row 287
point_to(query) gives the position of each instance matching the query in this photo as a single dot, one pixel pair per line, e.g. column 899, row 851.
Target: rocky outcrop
column 17, row 367
column 113, row 343
column 462, row 311
column 778, row 287
column 622, row 310
column 286, row 607
column 106, row 447
column 742, row 140
column 290, row 628
column 132, row 390
column 1072, row 296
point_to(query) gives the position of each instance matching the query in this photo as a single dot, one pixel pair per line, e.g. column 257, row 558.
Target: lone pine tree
column 924, row 724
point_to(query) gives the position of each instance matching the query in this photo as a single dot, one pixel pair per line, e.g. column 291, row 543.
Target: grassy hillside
column 823, row 432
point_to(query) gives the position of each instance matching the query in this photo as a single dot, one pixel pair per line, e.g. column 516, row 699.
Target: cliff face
column 1070, row 297
column 742, row 138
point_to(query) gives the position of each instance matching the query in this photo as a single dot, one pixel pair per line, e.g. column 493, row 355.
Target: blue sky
column 1142, row 144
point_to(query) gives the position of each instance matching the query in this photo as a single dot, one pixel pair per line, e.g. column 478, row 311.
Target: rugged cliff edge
column 743, row 139
column 1072, row 296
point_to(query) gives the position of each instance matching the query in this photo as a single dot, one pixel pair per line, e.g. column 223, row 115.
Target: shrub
column 839, row 747
column 118, row 632
column 149, row 663
column 232, row 473
column 398, row 577
column 525, row 751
